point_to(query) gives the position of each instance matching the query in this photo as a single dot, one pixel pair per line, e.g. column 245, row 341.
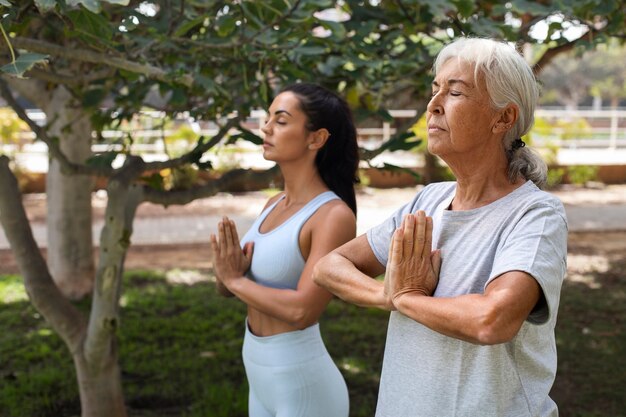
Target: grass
column 180, row 350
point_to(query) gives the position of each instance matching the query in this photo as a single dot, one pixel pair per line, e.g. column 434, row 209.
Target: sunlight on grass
column 584, row 269
column 12, row 289
column 186, row 276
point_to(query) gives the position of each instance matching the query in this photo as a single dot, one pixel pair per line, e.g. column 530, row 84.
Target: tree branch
column 224, row 183
column 551, row 53
column 84, row 55
column 67, row 79
column 193, row 155
column 53, row 147
column 67, row 321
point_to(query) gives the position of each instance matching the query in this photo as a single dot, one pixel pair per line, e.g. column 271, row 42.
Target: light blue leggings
column 292, row 375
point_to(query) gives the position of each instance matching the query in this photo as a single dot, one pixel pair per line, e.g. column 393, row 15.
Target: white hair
column 509, row 80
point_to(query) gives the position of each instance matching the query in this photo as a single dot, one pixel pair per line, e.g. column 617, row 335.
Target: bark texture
column 70, row 247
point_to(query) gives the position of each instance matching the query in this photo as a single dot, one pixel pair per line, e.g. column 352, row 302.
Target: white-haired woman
column 473, row 268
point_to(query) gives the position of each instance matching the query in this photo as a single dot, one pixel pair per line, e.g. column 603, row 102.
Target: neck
column 302, row 182
column 481, row 180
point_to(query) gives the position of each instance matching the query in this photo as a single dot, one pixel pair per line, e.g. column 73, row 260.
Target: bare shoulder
column 273, row 199
column 335, row 221
column 335, row 211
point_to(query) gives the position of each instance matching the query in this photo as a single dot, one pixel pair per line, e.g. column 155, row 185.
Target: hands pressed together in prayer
column 230, row 262
column 412, row 266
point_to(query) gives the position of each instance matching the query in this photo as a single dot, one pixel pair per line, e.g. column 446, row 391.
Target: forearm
column 342, row 278
column 286, row 305
column 471, row 317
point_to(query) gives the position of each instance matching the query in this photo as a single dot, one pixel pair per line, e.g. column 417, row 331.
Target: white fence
column 583, row 137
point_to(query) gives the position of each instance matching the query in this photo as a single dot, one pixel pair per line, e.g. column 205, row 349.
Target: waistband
column 284, row 348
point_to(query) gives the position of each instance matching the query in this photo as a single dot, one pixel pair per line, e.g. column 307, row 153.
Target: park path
column 602, row 209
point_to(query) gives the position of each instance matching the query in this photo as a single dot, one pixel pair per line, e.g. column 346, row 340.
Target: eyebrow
column 453, row 81
column 277, row 112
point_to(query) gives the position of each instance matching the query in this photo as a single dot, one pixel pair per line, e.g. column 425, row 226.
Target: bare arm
column 331, row 226
column 490, row 318
column 348, row 273
column 493, row 317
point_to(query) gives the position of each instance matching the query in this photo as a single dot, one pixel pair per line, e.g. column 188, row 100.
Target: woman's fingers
column 228, row 236
column 408, row 226
column 214, row 246
column 420, row 231
column 428, row 238
column 233, row 229
column 396, row 248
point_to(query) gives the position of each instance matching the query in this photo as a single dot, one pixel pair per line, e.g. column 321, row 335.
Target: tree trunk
column 94, row 343
column 70, row 248
column 100, row 387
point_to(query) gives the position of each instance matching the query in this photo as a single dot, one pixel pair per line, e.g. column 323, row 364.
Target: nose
column 266, row 128
column 434, row 105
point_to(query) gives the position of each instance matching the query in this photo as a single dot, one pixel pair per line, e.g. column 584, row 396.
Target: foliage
column 574, row 78
column 11, row 127
column 581, row 174
column 213, row 59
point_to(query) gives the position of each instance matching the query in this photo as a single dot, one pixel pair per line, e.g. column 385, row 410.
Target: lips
column 434, row 127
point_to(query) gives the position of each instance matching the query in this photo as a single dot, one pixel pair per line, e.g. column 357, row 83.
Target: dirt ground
column 583, row 248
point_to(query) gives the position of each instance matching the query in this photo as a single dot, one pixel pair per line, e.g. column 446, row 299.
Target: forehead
column 454, row 70
column 286, row 101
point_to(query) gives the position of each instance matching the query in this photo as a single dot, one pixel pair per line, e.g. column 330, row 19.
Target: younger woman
column 311, row 136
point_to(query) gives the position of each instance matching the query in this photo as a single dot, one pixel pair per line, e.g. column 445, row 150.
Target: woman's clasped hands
column 412, row 266
column 230, row 262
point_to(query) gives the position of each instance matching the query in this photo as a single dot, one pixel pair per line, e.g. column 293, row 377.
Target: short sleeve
column 537, row 245
column 379, row 237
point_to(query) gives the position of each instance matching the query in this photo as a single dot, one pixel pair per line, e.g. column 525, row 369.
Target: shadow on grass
column 591, row 343
column 180, row 352
column 180, row 347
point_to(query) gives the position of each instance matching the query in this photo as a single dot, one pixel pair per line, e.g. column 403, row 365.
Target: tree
column 99, row 62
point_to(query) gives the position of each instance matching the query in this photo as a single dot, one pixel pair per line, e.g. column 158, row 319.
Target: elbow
column 321, row 271
column 301, row 318
column 492, row 330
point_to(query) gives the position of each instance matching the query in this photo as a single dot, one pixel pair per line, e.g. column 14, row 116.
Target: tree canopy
column 215, row 58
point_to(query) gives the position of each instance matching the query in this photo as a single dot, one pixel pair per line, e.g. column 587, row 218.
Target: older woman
column 473, row 268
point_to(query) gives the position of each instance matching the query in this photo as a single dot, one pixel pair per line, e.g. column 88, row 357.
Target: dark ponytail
column 338, row 161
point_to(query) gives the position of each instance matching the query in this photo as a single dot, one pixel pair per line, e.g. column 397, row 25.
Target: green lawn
column 180, row 351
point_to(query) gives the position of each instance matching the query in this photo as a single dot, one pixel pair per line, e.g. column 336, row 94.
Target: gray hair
column 509, row 80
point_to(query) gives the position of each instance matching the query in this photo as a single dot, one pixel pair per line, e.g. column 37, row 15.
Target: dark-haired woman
column 311, row 136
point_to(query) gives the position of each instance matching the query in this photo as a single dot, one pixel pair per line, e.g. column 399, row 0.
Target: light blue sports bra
column 277, row 261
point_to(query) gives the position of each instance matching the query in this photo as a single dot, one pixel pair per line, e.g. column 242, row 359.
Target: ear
column 318, row 139
column 506, row 118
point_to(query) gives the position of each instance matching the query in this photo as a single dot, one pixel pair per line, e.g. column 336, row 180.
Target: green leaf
column 91, row 5
column 6, row 3
column 120, row 2
column 187, row 26
column 248, row 135
column 395, row 168
column 465, row 7
column 154, row 181
column 310, row 50
column 93, row 97
column 93, row 25
column 23, row 63
column 102, row 160
column 45, row 5
column 402, row 142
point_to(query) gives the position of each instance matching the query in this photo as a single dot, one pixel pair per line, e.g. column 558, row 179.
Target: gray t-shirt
column 429, row 374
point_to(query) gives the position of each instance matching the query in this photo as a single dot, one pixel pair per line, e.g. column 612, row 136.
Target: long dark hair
column 338, row 161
